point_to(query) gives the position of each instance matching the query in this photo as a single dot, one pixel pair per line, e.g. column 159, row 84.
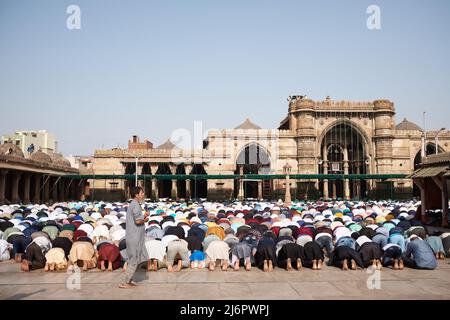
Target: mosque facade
column 316, row 140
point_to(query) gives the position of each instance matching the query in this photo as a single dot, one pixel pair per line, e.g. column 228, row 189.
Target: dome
column 41, row 157
column 58, row 159
column 168, row 145
column 248, row 125
column 407, row 125
column 11, row 150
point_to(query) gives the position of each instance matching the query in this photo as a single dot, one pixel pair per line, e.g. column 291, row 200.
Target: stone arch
column 253, row 158
column 267, row 160
column 199, row 187
column 181, row 184
column 164, row 186
column 352, row 124
column 343, row 148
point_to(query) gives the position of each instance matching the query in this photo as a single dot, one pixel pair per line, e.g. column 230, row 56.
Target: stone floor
column 329, row 283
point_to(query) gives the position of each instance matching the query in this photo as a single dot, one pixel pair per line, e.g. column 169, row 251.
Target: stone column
column 423, row 199
column 154, row 170
column 15, row 188
column 357, row 185
column 26, row 189
column 174, row 191
column 241, row 184
column 287, row 196
column 334, row 189
column 188, row 170
column 3, row 174
column 83, row 190
column 326, row 193
column 139, row 169
column 188, row 189
column 346, row 181
column 155, row 193
column 37, row 188
column 260, row 189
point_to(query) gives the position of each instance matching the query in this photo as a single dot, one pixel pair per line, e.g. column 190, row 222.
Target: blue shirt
column 398, row 239
column 422, row 253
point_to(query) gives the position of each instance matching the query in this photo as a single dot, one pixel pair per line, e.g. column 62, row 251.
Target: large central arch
column 344, row 149
column 253, row 159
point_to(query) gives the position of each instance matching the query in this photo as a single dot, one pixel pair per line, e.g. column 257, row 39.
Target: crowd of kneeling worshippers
column 235, row 235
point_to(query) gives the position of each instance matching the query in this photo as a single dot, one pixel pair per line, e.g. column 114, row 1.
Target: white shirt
column 341, row 232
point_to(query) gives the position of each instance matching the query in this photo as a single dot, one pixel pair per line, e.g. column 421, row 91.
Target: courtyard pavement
column 329, row 283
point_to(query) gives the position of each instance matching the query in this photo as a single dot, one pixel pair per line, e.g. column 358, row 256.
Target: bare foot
column 155, row 265
column 266, row 266
column 299, row 264
column 270, row 266
column 18, row 258
column 110, row 266
column 344, row 265
column 379, row 265
column 395, row 264
column 149, row 266
column 52, row 267
column 314, row 266
column 319, row 265
column 289, row 265
column 400, row 264
column 236, row 265
column 47, row 267
column 85, row 265
column 225, row 266
column 102, row 265
column 212, row 266
column 248, row 266
column 24, row 266
column 179, row 266
column 125, row 286
column 353, row 264
column 374, row 264
column 170, row 268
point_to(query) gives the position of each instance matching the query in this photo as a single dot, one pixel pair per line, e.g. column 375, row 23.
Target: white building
column 41, row 139
column 80, row 162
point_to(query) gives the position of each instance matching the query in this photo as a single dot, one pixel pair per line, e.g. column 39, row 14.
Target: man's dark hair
column 135, row 191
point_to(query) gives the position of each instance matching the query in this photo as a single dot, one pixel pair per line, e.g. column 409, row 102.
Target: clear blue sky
column 149, row 67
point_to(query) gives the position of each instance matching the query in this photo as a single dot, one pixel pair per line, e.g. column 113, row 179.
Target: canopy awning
column 428, row 172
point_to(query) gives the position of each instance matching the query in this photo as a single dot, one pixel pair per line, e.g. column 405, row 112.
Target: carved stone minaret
column 384, row 112
column 305, row 134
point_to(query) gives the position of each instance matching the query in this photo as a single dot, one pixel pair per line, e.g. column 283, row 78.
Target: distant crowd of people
column 177, row 235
